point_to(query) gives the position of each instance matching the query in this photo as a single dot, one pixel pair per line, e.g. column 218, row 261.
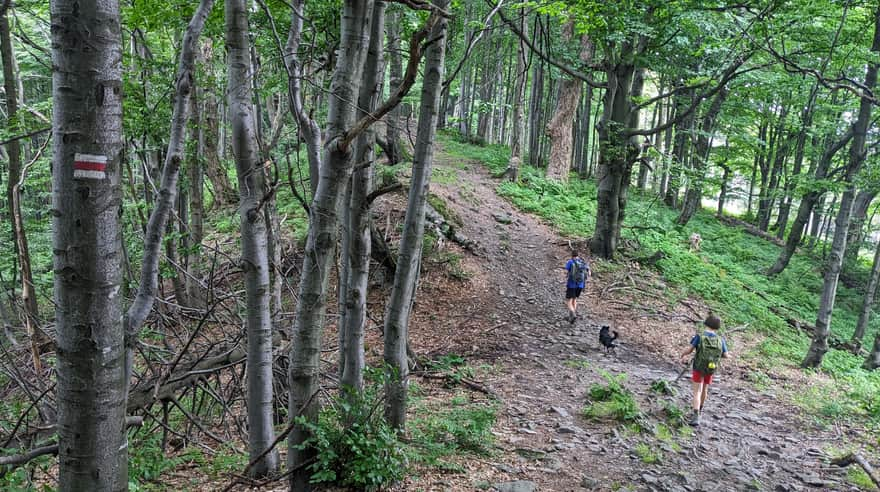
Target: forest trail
column 543, row 367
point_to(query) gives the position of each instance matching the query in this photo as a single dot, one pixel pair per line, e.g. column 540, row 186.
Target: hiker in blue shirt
column 578, row 274
column 709, row 348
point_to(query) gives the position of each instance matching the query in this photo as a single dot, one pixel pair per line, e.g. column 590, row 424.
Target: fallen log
column 164, row 389
column 751, row 229
column 858, row 459
column 448, row 230
column 833, row 341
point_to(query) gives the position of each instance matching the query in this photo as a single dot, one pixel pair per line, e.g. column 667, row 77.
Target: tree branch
column 473, row 41
column 565, row 68
column 416, row 50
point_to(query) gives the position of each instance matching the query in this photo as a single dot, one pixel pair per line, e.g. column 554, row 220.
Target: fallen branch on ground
column 23, row 458
column 448, row 230
column 751, row 229
column 458, row 379
column 146, row 394
column 851, row 458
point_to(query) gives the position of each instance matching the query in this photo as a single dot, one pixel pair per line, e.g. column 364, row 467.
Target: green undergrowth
column 611, row 400
column 728, row 273
column 355, row 448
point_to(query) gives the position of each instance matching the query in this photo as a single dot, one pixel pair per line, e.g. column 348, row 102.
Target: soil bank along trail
column 543, row 368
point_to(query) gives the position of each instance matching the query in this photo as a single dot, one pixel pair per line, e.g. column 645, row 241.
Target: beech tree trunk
column 357, row 237
column 613, row 155
column 254, row 240
column 868, row 300
column 819, row 346
column 395, row 73
column 856, row 235
column 518, row 96
column 410, row 251
column 335, row 172
column 694, row 196
column 308, row 127
column 535, row 107
column 195, row 228
column 679, row 149
column 87, row 244
column 164, row 204
column 212, row 139
column 11, row 85
column 873, row 360
column 808, row 203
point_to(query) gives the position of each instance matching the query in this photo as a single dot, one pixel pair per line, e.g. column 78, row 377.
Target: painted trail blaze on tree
column 89, row 166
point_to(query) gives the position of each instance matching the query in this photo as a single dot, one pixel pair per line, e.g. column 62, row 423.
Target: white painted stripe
column 86, row 174
column 90, row 158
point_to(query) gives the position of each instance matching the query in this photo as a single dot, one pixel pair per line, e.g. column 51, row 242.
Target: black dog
column 606, row 338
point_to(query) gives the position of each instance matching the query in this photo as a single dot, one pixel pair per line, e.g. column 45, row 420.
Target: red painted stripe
column 89, row 166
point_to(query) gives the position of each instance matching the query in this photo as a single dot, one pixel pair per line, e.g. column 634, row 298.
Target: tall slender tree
column 336, row 168
column 254, row 239
column 856, row 160
column 399, row 305
column 87, row 244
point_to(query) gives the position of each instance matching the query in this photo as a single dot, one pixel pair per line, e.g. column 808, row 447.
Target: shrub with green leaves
column 613, row 401
column 354, row 446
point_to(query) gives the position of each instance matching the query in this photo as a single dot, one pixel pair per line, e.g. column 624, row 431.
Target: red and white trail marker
column 89, row 166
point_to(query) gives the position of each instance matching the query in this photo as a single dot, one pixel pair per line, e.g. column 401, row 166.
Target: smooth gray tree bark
column 400, row 302
column 702, row 147
column 164, row 204
column 519, row 91
column 395, row 76
column 873, row 360
column 87, row 244
column 819, row 346
column 335, row 171
column 254, row 239
column 308, row 127
column 867, row 301
column 357, row 232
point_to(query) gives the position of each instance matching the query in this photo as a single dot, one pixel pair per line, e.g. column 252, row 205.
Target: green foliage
column 647, row 454
column 443, row 430
column 859, row 478
column 663, row 387
column 728, row 273
column 495, row 157
column 147, row 461
column 613, row 401
column 354, row 445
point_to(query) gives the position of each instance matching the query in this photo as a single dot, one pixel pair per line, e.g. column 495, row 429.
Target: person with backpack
column 710, row 348
column 578, row 274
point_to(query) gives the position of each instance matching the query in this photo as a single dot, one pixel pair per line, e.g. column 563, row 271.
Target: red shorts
column 699, row 377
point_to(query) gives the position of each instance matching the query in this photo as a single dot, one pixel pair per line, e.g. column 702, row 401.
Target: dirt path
column 749, row 439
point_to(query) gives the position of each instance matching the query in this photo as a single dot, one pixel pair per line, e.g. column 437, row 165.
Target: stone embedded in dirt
column 502, row 219
column 590, row 483
column 561, row 411
column 566, row 429
column 517, row 486
column 813, row 480
column 648, row 478
column 504, row 468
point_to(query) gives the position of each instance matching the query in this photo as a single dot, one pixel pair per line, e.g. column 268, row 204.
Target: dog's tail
column 615, row 336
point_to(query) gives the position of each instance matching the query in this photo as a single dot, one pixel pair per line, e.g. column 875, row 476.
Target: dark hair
column 713, row 322
column 574, row 254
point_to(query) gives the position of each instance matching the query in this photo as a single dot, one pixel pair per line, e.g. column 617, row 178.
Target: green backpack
column 709, row 351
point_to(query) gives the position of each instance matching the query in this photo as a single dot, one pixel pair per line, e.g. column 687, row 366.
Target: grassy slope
column 727, row 274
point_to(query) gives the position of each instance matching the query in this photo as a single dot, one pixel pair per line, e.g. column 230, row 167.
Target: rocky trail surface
column 749, row 439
